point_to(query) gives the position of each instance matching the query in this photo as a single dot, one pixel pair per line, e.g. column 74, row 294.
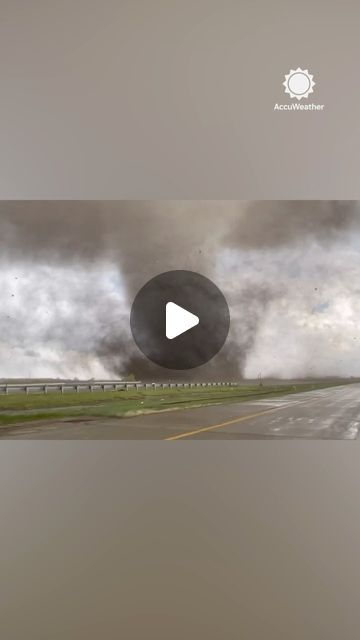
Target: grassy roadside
column 18, row 408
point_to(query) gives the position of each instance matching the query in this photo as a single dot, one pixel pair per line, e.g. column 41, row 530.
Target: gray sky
column 70, row 270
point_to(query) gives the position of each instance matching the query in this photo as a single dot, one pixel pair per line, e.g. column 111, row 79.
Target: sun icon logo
column 299, row 83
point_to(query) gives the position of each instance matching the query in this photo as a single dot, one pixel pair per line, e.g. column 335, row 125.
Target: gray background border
column 169, row 99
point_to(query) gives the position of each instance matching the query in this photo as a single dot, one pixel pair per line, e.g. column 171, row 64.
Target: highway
column 332, row 413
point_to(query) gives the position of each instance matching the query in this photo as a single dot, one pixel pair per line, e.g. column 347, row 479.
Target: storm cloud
column 70, row 270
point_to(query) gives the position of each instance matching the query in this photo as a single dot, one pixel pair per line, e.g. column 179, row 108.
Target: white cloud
column 51, row 317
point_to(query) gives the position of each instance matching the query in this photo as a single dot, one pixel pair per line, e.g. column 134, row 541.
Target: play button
column 180, row 320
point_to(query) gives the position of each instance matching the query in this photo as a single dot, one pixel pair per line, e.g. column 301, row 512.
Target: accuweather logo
column 299, row 83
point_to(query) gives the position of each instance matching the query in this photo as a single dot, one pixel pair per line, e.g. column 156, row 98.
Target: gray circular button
column 180, row 320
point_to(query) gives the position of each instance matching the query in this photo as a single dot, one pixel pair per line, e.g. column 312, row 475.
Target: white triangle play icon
column 178, row 320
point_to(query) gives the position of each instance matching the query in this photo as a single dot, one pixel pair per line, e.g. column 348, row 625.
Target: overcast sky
column 69, row 272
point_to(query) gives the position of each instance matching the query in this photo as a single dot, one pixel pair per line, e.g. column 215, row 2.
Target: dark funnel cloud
column 139, row 240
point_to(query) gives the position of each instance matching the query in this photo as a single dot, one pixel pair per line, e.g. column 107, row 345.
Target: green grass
column 19, row 408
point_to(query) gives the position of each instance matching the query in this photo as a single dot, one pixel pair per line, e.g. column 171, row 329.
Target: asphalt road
column 325, row 414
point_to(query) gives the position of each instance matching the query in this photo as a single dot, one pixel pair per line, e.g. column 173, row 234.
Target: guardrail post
column 107, row 386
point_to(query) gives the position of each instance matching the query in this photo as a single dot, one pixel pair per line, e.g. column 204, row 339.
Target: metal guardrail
column 101, row 385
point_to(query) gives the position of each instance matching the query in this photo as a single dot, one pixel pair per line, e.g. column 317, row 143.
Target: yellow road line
column 224, row 424
column 241, row 419
column 180, row 436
